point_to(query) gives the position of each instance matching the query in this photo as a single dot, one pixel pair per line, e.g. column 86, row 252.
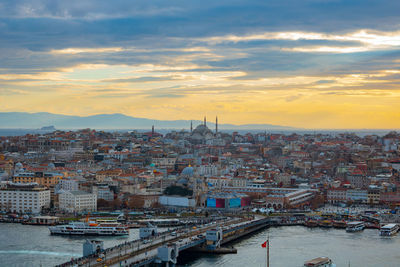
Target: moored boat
column 311, row 223
column 325, row 223
column 371, row 225
column 355, row 226
column 389, row 229
column 339, row 224
column 89, row 228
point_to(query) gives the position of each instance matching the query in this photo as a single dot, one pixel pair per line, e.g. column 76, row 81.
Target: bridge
column 164, row 249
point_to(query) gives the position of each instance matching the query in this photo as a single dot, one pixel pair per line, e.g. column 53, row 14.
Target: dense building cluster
column 86, row 170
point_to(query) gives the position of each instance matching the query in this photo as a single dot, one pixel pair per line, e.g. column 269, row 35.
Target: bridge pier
column 214, row 238
column 167, row 255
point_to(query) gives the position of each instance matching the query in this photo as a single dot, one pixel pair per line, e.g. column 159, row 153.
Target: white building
column 218, row 182
column 239, row 182
column 177, row 201
column 24, row 198
column 207, row 170
column 357, row 195
column 337, row 195
column 164, row 162
column 68, row 185
column 77, row 201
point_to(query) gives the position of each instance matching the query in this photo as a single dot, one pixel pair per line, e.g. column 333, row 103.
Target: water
column 29, row 245
column 292, row 246
column 23, row 245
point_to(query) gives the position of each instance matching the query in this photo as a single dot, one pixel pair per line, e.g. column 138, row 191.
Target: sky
column 318, row 64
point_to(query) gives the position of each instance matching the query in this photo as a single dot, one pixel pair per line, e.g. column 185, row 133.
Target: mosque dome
column 188, row 171
column 202, row 130
column 19, row 165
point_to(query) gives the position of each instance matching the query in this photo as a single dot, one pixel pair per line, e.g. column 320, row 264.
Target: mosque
column 202, row 133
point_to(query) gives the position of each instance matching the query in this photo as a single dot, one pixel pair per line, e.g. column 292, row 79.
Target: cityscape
column 183, row 133
column 180, row 180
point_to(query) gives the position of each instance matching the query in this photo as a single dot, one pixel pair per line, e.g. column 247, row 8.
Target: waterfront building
column 77, row 201
column 24, row 198
column 177, row 201
column 374, row 195
column 227, row 201
column 390, row 197
column 277, row 198
column 336, row 195
column 357, row 195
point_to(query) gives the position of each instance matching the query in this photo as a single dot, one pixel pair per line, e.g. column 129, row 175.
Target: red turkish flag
column 264, row 245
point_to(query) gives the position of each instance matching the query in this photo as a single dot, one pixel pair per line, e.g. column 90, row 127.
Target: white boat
column 355, row 226
column 389, row 229
column 89, row 228
column 319, row 262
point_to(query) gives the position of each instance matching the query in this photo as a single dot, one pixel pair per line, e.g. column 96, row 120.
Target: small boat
column 339, row 224
column 355, row 226
column 325, row 223
column 319, row 262
column 389, row 229
column 311, row 223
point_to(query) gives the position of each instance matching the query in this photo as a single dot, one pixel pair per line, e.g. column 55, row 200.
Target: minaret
column 216, row 124
column 191, row 126
column 152, row 130
column 205, row 121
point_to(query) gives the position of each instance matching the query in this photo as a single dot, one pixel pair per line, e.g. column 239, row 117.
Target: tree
column 177, row 190
column 102, row 203
column 116, row 203
column 135, row 202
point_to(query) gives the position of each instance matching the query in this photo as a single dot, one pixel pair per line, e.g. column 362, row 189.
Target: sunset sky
column 311, row 64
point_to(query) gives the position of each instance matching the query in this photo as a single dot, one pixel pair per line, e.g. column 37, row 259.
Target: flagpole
column 268, row 252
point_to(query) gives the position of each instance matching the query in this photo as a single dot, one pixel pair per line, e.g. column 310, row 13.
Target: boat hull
column 87, row 234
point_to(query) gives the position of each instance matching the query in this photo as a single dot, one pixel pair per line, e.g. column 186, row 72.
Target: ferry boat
column 319, row 262
column 89, row 228
column 389, row 229
column 355, row 226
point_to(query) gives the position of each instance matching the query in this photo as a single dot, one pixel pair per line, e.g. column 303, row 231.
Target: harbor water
column 24, row 245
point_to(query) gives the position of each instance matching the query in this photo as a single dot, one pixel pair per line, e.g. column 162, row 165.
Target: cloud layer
column 312, row 64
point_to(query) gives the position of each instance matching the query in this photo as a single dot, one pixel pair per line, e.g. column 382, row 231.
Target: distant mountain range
column 23, row 120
